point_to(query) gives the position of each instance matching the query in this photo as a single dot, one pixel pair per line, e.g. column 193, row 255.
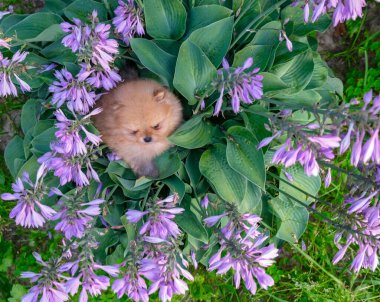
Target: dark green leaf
column 193, row 134
column 165, row 19
column 244, row 157
column 193, row 71
column 13, row 151
column 82, row 9
column 30, row 114
column 176, row 186
column 214, row 39
column 168, row 163
column 155, row 59
column 252, row 200
column 229, row 185
column 191, row 225
column 41, row 143
column 33, row 25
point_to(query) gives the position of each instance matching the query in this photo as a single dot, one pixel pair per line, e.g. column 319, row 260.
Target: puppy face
column 149, row 117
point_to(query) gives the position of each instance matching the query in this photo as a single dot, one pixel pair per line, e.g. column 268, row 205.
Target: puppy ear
column 159, row 94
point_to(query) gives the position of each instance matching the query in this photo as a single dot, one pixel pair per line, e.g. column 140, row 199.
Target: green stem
column 299, row 250
column 366, row 68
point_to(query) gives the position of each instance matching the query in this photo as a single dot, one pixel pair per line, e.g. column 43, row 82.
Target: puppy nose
column 147, row 139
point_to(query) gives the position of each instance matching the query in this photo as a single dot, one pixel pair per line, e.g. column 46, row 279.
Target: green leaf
column 33, row 25
column 191, row 225
column 176, row 186
column 308, row 184
column 52, row 33
column 168, row 163
column 293, row 219
column 272, row 83
column 296, row 73
column 295, row 14
column 252, row 200
column 41, row 143
column 192, row 167
column 204, row 15
column 9, row 20
column 13, row 151
column 320, row 74
column 29, row 114
column 31, row 166
column 193, row 134
column 229, row 185
column 302, row 98
column 82, row 9
column 214, row 39
column 193, row 71
column 243, row 156
column 262, row 48
column 165, row 19
column 54, row 5
column 155, row 59
column 57, row 53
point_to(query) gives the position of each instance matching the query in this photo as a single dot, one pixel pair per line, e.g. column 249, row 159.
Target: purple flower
column 133, row 285
column 4, row 43
column 128, row 20
column 99, row 78
column 74, row 217
column 160, row 222
column 204, row 202
column 28, row 202
column 241, row 86
column 8, row 70
column 76, row 93
column 240, row 251
column 47, row 283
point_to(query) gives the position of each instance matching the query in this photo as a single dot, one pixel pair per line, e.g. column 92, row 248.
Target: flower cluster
column 29, row 211
column 71, row 152
column 9, row 69
column 96, row 54
column 158, row 260
column 241, row 85
column 241, row 249
column 302, row 145
column 128, row 20
column 343, row 9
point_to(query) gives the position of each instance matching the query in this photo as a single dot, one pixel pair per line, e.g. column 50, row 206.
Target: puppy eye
column 134, row 132
column 156, row 127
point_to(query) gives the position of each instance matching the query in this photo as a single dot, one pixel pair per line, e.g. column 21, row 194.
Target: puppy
column 137, row 118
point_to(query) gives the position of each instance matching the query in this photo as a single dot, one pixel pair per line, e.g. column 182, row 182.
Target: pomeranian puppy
column 137, row 118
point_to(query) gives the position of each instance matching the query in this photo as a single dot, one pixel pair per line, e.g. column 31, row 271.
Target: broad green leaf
column 295, row 14
column 255, row 122
column 14, row 150
column 112, row 214
column 214, row 39
column 302, row 98
column 33, row 25
column 82, row 9
column 165, row 19
column 155, row 59
column 191, row 225
column 283, row 54
column 296, row 73
column 52, row 33
column 106, row 239
column 262, row 48
column 228, row 184
column 272, row 82
column 244, row 157
column 168, row 163
column 41, row 143
column 204, row 15
column 29, row 114
column 193, row 71
column 55, row 5
column 57, row 53
column 320, row 74
column 193, row 134
column 31, row 166
column 192, row 167
column 293, row 219
column 176, row 185
column 9, row 20
column 252, row 200
column 308, row 184
column 169, row 46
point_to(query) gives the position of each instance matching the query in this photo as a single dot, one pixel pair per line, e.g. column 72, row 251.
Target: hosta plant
column 264, row 118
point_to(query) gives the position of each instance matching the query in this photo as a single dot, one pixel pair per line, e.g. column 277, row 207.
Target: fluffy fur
column 136, row 120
